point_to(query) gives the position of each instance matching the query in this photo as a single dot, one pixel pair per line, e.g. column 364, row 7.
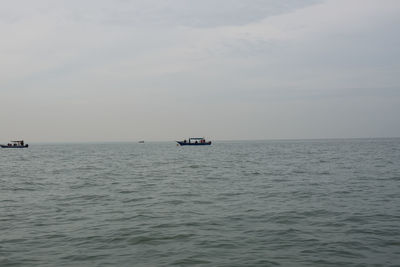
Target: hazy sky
column 127, row 70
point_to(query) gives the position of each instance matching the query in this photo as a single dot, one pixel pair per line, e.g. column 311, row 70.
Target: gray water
column 259, row 203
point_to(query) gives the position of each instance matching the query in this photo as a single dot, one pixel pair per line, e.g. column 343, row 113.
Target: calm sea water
column 264, row 203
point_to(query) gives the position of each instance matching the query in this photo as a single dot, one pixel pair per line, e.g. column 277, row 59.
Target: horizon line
column 215, row 140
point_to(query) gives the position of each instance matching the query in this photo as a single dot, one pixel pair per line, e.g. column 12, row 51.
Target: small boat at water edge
column 15, row 144
column 198, row 141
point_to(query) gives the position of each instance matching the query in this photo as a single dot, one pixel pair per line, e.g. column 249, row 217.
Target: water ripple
column 264, row 203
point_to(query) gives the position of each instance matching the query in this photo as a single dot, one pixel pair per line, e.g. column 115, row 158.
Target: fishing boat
column 15, row 144
column 194, row 141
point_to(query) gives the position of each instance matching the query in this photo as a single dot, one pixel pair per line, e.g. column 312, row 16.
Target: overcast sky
column 109, row 70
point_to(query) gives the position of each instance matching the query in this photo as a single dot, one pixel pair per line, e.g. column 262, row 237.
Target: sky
column 160, row 70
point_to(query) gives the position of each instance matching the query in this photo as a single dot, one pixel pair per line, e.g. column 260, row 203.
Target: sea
column 234, row 203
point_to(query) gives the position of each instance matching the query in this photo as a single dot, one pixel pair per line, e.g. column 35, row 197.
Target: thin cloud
column 110, row 68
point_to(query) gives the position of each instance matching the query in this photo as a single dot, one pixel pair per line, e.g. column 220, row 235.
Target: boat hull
column 193, row 144
column 5, row 146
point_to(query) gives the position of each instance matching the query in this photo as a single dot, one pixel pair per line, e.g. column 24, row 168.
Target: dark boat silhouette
column 194, row 141
column 15, row 144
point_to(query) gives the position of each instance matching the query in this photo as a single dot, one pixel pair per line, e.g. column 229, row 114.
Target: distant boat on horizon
column 141, row 142
column 198, row 141
column 15, row 144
